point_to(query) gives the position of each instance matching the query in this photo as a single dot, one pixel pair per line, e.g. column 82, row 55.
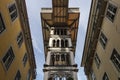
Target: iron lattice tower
column 59, row 27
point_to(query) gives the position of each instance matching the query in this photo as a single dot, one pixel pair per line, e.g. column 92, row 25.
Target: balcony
column 60, row 68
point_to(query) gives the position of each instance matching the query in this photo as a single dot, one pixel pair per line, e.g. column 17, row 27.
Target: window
column 66, row 43
column 97, row 60
column 53, row 43
column 8, row 58
column 93, row 77
column 13, row 11
column 103, row 40
column 62, row 57
column 52, row 59
column 115, row 58
column 57, row 57
column 20, row 39
column 18, row 76
column 68, row 59
column 2, row 25
column 111, row 12
column 29, row 74
column 98, row 4
column 105, row 77
column 62, row 43
column 25, row 59
column 57, row 43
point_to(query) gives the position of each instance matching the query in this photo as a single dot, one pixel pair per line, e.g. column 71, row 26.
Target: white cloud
column 35, row 45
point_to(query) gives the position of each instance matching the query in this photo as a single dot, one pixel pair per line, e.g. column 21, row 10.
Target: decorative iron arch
column 54, row 43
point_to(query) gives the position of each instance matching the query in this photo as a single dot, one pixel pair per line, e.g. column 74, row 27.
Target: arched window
column 62, row 43
column 54, row 43
column 57, row 57
column 62, row 57
column 57, row 43
column 66, row 43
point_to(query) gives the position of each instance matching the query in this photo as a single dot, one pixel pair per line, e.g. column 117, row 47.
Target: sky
column 34, row 8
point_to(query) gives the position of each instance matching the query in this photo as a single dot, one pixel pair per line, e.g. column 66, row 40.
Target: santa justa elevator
column 59, row 28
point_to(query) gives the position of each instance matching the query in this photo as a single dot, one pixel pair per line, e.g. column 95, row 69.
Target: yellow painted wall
column 112, row 32
column 8, row 38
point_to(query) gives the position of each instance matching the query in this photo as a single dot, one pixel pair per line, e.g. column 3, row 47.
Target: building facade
column 59, row 27
column 101, row 55
column 17, row 60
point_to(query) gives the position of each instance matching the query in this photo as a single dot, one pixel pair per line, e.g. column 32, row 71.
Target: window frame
column 111, row 13
column 52, row 59
column 116, row 57
column 105, row 76
column 28, row 74
column 97, row 60
column 7, row 66
column 53, row 43
column 93, row 76
column 58, row 43
column 103, row 40
column 66, row 43
column 18, row 75
column 62, row 57
column 3, row 24
column 57, row 56
column 62, row 43
column 25, row 58
column 20, row 39
column 15, row 11
column 68, row 61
